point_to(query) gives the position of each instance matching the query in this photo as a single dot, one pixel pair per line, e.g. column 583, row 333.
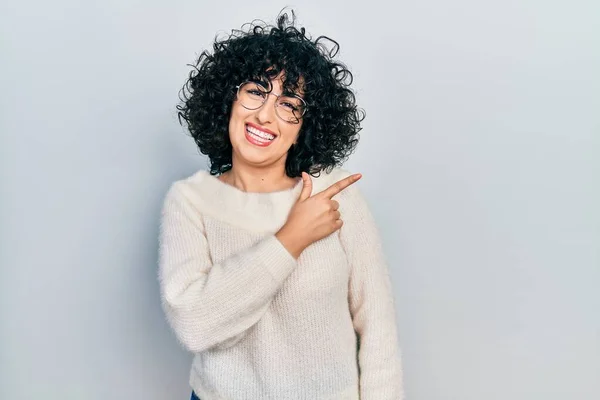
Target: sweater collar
column 253, row 211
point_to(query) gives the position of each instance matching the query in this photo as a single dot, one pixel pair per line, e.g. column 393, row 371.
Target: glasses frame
column 276, row 103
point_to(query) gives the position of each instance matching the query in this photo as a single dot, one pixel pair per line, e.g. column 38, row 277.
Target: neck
column 261, row 180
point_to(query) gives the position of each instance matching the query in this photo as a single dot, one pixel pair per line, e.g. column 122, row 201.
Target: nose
column 266, row 113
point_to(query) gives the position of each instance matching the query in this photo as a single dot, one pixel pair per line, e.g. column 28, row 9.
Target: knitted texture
column 263, row 325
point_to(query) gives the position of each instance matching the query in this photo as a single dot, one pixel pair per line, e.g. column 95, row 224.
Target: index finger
column 340, row 185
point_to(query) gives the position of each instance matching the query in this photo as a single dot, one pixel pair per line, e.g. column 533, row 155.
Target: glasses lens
column 290, row 108
column 251, row 95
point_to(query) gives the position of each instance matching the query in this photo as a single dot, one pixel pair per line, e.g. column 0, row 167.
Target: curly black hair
column 329, row 132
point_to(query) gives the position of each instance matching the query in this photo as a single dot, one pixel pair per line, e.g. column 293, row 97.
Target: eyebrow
column 262, row 82
column 292, row 94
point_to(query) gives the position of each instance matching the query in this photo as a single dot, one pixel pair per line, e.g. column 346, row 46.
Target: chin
column 253, row 156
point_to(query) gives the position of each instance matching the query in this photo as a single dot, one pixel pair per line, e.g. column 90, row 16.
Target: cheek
column 235, row 113
column 236, row 118
column 291, row 132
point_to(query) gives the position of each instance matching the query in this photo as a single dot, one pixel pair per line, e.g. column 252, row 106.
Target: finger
column 334, row 205
column 306, row 187
column 341, row 185
column 336, row 215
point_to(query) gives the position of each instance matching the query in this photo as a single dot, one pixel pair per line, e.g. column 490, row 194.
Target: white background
column 480, row 155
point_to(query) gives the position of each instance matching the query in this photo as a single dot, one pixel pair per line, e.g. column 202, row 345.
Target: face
column 260, row 137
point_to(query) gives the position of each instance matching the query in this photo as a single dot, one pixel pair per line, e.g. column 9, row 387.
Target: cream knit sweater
column 263, row 325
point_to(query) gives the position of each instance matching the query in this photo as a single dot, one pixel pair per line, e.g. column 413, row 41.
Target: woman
column 276, row 296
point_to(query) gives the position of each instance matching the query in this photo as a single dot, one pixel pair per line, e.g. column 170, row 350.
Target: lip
column 260, row 128
column 252, row 139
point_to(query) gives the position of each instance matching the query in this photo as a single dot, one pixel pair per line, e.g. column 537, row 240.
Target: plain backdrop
column 481, row 162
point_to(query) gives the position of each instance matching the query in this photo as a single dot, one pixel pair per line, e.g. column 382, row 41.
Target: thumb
column 306, row 187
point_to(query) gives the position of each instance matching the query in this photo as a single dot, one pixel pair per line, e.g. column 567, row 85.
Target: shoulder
column 196, row 184
column 202, row 194
column 351, row 193
column 326, row 179
column 193, row 190
column 353, row 204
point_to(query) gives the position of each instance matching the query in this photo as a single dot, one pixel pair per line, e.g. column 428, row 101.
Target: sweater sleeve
column 371, row 301
column 213, row 305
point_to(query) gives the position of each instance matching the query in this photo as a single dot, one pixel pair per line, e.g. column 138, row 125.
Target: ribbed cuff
column 275, row 257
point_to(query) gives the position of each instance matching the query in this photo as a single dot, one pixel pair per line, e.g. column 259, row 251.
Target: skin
column 313, row 217
column 262, row 169
column 254, row 168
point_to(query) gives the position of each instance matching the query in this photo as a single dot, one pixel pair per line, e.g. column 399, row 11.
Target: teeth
column 259, row 133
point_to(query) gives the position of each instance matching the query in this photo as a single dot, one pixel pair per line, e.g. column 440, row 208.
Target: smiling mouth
column 258, row 136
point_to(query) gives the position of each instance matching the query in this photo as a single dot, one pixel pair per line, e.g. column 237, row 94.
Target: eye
column 289, row 106
column 290, row 103
column 256, row 92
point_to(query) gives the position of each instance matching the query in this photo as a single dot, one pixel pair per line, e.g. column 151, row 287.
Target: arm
column 212, row 305
column 371, row 302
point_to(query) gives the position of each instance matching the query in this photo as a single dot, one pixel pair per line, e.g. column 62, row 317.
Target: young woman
column 271, row 267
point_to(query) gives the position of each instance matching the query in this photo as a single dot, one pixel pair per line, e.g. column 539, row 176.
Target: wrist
column 291, row 242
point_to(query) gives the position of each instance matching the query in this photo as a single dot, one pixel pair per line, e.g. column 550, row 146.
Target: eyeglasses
column 252, row 96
